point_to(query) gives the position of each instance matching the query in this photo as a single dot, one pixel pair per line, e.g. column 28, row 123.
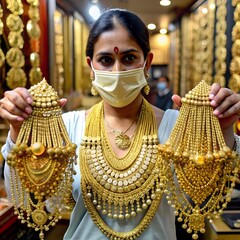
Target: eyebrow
column 125, row 52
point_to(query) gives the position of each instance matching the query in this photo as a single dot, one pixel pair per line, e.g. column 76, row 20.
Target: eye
column 129, row 59
column 105, row 60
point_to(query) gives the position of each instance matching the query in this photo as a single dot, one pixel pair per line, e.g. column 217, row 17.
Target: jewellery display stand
column 205, row 169
column 41, row 162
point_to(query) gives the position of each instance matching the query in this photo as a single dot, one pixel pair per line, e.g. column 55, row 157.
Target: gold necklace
column 42, row 159
column 121, row 188
column 122, row 140
column 205, row 167
column 2, row 56
column 16, row 76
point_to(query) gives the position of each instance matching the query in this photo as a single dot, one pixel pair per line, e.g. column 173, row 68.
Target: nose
column 118, row 66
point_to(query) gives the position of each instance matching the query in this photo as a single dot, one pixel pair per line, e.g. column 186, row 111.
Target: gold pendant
column 122, row 141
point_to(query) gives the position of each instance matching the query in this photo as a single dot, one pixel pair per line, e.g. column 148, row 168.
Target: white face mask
column 119, row 88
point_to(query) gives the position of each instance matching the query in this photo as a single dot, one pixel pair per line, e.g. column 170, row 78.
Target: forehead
column 118, row 37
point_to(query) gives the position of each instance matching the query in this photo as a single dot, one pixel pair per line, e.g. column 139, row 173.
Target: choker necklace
column 121, row 188
column 122, row 140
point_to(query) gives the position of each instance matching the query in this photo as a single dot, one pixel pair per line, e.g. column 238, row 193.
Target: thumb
column 62, row 102
column 177, row 100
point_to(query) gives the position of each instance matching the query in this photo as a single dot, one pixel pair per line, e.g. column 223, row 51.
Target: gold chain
column 121, row 188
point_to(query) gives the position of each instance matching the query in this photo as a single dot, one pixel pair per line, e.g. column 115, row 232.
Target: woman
column 123, row 189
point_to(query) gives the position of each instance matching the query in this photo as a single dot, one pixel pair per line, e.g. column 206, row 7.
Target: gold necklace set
column 121, row 188
column 205, row 168
column 42, row 159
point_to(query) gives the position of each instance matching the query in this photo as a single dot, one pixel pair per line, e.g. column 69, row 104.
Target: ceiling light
column 94, row 12
column 204, row 10
column 151, row 26
column 165, row 2
column 163, row 31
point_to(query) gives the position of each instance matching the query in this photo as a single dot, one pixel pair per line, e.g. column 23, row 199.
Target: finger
column 229, row 107
column 12, row 109
column 222, row 94
column 20, row 98
column 214, row 90
column 62, row 102
column 11, row 118
column 177, row 100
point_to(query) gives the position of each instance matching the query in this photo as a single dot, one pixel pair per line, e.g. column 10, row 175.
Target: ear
column 89, row 60
column 149, row 60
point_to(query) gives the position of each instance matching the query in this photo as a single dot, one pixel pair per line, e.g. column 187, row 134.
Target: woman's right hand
column 15, row 106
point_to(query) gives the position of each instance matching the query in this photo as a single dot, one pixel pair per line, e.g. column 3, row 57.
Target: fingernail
column 213, row 103
column 211, row 96
column 28, row 110
column 216, row 112
column 29, row 100
column 19, row 119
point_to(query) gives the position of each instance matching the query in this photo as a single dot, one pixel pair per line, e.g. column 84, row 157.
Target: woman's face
column 116, row 51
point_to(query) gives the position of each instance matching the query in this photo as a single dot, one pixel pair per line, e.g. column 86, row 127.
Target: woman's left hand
column 226, row 105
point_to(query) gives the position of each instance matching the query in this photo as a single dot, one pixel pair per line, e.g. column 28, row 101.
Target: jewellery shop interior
column 190, row 40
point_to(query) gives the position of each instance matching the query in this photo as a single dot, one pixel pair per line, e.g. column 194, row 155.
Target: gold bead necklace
column 121, row 188
column 205, row 168
column 42, row 159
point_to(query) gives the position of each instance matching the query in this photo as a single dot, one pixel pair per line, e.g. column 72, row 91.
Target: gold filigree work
column 205, row 168
column 42, row 159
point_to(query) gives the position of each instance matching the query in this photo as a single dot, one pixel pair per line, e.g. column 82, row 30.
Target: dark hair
column 165, row 77
column 127, row 19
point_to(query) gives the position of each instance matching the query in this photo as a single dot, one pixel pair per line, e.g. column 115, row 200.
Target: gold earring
column 146, row 89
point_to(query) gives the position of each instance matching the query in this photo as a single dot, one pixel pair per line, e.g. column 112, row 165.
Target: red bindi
column 116, row 49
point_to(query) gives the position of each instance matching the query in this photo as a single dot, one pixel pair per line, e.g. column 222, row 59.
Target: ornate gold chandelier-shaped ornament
column 42, row 159
column 205, row 168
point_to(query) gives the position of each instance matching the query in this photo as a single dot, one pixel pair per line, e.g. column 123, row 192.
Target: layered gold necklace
column 205, row 168
column 121, row 188
column 42, row 159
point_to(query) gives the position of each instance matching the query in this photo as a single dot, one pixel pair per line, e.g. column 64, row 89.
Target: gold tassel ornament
column 42, row 159
column 205, row 169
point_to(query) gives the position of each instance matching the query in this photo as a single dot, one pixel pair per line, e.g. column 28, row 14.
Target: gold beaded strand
column 202, row 162
column 42, row 159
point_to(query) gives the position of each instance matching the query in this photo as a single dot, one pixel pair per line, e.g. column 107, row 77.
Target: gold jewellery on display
column 2, row 56
column 34, row 32
column 221, row 42
column 42, row 159
column 16, row 76
column 234, row 81
column 121, row 188
column 205, row 169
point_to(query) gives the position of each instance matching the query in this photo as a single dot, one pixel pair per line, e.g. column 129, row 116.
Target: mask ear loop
column 146, row 89
column 94, row 91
